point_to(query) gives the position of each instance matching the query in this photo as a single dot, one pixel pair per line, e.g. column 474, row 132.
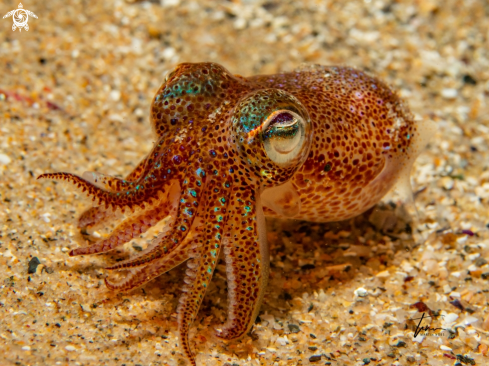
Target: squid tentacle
column 132, row 226
column 106, row 182
column 119, row 193
column 191, row 194
column 130, row 198
column 201, row 268
column 247, row 263
column 156, row 268
column 98, row 215
column 149, row 254
column 143, row 258
column 94, row 217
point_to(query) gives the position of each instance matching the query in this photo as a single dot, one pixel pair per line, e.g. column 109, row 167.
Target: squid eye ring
column 284, row 135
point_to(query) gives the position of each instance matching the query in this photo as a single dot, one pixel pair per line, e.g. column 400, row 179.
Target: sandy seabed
column 75, row 92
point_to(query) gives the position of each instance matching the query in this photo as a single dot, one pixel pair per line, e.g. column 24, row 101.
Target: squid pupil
column 284, row 126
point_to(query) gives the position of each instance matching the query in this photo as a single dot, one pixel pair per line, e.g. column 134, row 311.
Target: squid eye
column 284, row 136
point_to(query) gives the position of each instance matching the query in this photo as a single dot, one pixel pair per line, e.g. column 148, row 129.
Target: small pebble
column 70, row 348
column 283, row 341
column 33, row 263
column 4, row 159
column 400, row 344
column 450, row 318
column 479, row 262
column 294, row 328
column 446, row 182
column 315, row 358
column 361, row 292
column 449, row 93
column 457, row 304
column 469, row 79
column 470, row 320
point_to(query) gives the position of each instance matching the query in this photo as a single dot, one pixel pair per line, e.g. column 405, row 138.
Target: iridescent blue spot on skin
column 183, row 228
column 217, row 208
column 137, row 187
column 169, row 171
column 185, row 181
column 199, row 183
column 374, row 86
column 188, row 212
column 249, row 228
column 200, row 172
column 247, row 208
column 205, row 285
column 223, row 200
column 213, row 153
column 219, row 218
column 231, row 170
column 209, row 270
column 193, row 193
column 217, row 245
column 408, row 136
column 226, row 184
column 218, row 236
column 216, row 172
column 217, row 227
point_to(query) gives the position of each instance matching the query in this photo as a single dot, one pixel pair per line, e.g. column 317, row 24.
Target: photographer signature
column 419, row 328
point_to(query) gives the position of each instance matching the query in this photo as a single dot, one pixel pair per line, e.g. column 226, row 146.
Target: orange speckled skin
column 361, row 128
column 209, row 171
